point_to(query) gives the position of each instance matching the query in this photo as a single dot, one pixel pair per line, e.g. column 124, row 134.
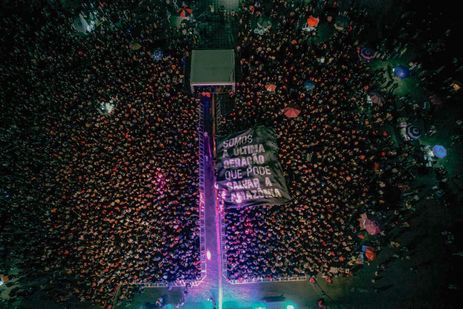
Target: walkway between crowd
column 208, row 292
column 214, row 291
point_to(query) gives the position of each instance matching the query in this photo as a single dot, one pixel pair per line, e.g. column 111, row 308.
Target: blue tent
column 308, row 85
column 401, row 71
column 439, row 151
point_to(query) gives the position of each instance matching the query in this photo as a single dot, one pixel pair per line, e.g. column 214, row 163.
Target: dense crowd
column 93, row 197
column 99, row 148
column 338, row 158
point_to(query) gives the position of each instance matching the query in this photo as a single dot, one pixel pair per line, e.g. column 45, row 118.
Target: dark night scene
column 231, row 154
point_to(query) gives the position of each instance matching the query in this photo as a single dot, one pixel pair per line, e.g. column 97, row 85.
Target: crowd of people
column 99, row 148
column 99, row 162
column 338, row 157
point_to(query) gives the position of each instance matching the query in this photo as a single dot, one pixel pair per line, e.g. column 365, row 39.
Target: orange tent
column 312, row 21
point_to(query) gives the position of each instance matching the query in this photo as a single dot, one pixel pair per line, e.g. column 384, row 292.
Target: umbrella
column 270, row 87
column 435, row 100
column 376, row 98
column 439, row 151
column 4, row 279
column 157, row 54
column 369, row 225
column 106, row 108
column 261, row 22
column 341, row 22
column 312, row 21
column 309, row 85
column 291, row 112
column 413, row 132
column 185, row 11
column 262, row 25
column 135, row 46
column 85, row 23
column 367, row 53
column 401, row 71
column 369, row 252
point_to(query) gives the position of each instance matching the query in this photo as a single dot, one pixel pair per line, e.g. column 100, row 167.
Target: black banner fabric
column 248, row 171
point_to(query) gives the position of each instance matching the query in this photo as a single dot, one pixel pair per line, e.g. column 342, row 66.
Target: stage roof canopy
column 212, row 68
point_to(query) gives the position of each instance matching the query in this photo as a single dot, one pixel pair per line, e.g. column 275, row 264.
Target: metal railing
column 222, row 233
column 269, row 279
column 202, row 218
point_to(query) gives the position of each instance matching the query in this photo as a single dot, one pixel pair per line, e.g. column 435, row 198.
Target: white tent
column 212, row 68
